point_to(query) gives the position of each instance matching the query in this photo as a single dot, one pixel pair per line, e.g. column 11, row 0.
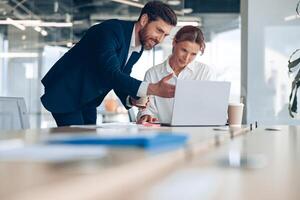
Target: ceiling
column 214, row 15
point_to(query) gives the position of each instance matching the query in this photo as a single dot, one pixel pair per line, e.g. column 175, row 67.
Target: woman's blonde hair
column 191, row 34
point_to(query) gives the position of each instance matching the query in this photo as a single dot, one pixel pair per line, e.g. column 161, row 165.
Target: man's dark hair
column 157, row 9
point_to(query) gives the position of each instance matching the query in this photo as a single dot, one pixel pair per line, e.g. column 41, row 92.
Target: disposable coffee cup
column 235, row 114
column 142, row 101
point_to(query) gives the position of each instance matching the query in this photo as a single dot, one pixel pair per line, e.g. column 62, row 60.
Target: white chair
column 13, row 113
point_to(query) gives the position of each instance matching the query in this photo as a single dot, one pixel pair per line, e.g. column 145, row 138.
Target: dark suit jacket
column 89, row 70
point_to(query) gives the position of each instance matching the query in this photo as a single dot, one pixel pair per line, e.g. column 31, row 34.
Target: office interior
column 248, row 43
column 252, row 56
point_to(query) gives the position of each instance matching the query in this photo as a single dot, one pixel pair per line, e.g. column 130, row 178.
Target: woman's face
column 184, row 52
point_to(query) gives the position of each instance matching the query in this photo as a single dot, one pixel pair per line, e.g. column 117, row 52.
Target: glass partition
column 270, row 35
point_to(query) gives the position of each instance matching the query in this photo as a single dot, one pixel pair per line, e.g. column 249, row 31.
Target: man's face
column 153, row 33
column 185, row 52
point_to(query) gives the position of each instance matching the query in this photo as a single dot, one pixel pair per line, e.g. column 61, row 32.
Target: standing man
column 101, row 61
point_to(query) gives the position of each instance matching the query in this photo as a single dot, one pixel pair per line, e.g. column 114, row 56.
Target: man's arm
column 109, row 44
column 123, row 97
column 162, row 88
column 110, row 69
column 151, row 110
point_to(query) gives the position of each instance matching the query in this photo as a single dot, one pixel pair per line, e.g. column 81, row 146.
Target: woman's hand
column 146, row 118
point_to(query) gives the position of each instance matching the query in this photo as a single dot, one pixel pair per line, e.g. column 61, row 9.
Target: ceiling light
column 190, row 23
column 69, row 44
column 44, row 33
column 55, row 6
column 16, row 24
column 187, row 10
column 37, row 28
column 40, row 30
column 135, row 4
column 27, row 23
column 18, row 55
column 174, row 2
column 56, row 24
column 140, row 5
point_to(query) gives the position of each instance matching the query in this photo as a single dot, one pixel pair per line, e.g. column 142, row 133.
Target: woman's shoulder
column 202, row 66
column 206, row 70
column 156, row 68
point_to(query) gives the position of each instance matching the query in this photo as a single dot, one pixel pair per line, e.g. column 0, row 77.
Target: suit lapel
column 134, row 57
column 128, row 28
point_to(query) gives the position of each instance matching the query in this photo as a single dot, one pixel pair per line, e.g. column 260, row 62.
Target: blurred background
column 244, row 46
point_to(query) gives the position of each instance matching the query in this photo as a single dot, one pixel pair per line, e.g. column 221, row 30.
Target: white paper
column 112, row 128
column 107, row 125
column 52, row 153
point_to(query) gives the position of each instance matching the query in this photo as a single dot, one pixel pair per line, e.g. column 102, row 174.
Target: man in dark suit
column 101, row 61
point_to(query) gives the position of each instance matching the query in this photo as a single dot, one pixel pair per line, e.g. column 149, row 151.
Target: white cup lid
column 236, row 104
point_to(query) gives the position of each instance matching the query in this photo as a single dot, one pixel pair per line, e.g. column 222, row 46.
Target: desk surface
column 119, row 173
column 264, row 164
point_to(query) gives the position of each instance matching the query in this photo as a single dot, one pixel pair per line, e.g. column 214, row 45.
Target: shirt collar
column 191, row 66
column 167, row 68
column 132, row 42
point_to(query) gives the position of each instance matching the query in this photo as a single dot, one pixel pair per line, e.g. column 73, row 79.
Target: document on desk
column 51, row 153
column 111, row 127
column 108, row 125
column 149, row 140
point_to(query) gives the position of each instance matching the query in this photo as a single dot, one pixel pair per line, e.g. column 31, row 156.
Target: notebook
column 149, row 140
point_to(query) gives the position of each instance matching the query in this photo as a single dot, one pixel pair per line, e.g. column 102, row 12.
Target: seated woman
column 188, row 42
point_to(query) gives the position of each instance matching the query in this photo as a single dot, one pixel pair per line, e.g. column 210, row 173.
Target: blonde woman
column 187, row 43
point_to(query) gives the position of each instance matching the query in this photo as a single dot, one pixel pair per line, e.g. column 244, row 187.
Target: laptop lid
column 200, row 103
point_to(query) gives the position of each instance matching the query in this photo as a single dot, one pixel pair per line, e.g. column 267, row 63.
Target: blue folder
column 143, row 140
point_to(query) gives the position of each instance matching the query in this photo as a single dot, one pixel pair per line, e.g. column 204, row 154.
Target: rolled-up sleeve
column 151, row 109
column 142, row 92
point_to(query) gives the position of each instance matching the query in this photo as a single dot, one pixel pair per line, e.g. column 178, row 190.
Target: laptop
column 200, row 103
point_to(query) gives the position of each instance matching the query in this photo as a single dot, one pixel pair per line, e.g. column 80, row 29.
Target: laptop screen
column 200, row 103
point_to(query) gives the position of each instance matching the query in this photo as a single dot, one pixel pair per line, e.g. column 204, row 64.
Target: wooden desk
column 119, row 174
column 260, row 165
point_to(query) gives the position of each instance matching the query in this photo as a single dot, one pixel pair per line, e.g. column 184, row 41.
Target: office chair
column 13, row 113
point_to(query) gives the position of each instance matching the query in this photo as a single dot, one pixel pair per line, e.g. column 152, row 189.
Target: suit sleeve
column 123, row 98
column 108, row 63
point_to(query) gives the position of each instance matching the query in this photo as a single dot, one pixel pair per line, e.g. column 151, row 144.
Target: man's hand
column 146, row 118
column 138, row 103
column 162, row 88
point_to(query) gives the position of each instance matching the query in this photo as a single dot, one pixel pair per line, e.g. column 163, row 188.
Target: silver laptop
column 200, row 103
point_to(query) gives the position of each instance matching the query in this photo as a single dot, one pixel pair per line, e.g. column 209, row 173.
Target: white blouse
column 162, row 108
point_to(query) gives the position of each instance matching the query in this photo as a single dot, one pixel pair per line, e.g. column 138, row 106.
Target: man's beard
column 143, row 39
